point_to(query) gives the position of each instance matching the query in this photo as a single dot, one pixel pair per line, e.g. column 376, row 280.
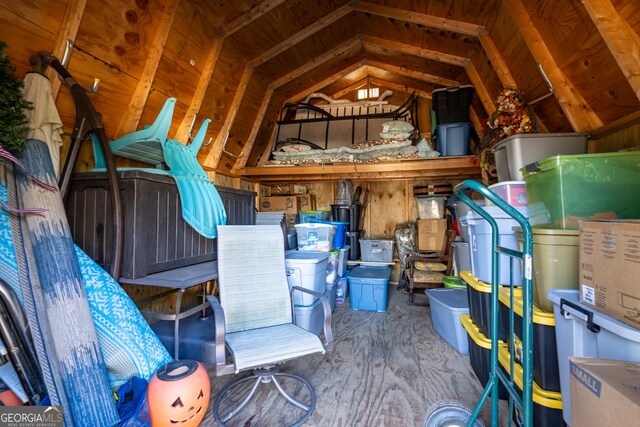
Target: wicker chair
column 426, row 270
column 254, row 318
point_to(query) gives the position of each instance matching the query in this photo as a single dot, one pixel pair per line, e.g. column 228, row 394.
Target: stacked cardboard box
column 431, row 234
column 609, row 268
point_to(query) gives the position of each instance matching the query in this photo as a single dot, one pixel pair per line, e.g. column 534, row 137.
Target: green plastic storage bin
column 453, row 282
column 568, row 188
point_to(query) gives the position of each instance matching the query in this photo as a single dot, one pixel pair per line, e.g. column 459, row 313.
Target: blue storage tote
column 368, row 288
column 453, row 139
column 584, row 332
column 447, row 305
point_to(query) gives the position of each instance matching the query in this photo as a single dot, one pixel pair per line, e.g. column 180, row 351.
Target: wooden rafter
column 397, row 86
column 130, row 120
column 301, row 35
column 330, row 54
column 622, row 40
column 438, row 22
column 416, row 50
column 201, row 89
column 247, row 18
column 246, row 150
column 355, row 86
column 578, row 112
column 326, row 82
column 475, row 78
column 492, row 52
column 68, row 31
column 213, row 157
column 418, row 75
column 421, row 18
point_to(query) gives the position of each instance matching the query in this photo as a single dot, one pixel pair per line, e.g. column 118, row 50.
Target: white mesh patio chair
column 254, row 317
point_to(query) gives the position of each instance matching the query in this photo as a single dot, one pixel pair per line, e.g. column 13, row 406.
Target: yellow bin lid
column 549, row 399
column 476, row 284
column 540, row 317
column 475, row 334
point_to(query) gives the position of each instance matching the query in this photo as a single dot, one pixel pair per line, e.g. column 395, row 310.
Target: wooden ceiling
column 237, row 62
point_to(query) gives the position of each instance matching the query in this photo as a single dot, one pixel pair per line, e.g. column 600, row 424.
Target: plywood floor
column 387, row 370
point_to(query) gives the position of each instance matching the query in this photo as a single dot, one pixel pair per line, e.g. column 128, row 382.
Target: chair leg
column 264, row 376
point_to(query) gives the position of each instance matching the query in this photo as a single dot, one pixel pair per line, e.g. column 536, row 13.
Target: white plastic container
column 315, row 236
column 430, row 207
column 462, row 209
column 342, row 260
column 517, row 151
column 462, row 256
column 512, row 192
column 603, row 337
column 376, row 250
column 310, row 317
column 447, row 305
column 482, row 249
column 307, row 270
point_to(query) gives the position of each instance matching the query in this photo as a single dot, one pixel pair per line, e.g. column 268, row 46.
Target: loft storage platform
column 346, row 131
column 438, row 167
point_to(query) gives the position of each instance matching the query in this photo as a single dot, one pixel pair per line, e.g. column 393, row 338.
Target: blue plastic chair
column 145, row 145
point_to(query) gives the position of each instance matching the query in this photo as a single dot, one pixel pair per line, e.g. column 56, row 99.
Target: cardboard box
column 286, row 204
column 307, row 202
column 292, row 220
column 431, row 234
column 288, row 190
column 604, row 392
column 609, row 268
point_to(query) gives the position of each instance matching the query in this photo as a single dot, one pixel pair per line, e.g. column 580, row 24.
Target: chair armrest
column 328, row 334
column 222, row 368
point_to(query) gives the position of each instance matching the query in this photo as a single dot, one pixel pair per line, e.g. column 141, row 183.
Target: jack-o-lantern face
column 178, row 394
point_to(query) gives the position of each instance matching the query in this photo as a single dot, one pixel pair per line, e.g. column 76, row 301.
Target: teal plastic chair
column 144, row 145
column 202, row 207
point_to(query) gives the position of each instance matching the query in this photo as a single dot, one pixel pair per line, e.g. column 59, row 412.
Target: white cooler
column 307, row 270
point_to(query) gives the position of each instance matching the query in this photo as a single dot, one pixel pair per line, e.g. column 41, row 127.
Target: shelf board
column 439, row 167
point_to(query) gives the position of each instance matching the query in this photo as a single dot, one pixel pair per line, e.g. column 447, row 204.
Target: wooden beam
column 329, row 80
column 130, row 120
column 213, row 157
column 481, row 89
column 421, row 18
column 357, row 85
column 416, row 51
column 418, row 75
column 201, row 89
column 330, row 54
column 574, row 106
column 492, row 52
column 477, row 123
column 475, row 78
column 399, row 87
column 296, row 38
column 247, row 18
column 68, row 31
column 622, row 40
column 241, row 161
column 453, row 167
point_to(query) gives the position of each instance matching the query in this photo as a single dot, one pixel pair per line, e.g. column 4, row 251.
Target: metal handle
column 591, row 326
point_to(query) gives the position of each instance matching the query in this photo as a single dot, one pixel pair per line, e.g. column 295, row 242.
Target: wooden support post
column 621, row 39
column 130, row 120
column 241, row 162
column 575, row 107
column 68, row 31
column 396, row 86
column 326, row 82
column 247, row 18
column 502, row 70
column 418, row 75
column 416, row 51
column 481, row 89
column 348, row 89
column 213, row 157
